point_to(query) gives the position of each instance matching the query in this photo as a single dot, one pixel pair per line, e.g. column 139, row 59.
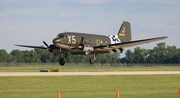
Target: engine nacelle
column 56, row 51
column 53, row 49
column 86, row 48
column 121, row 50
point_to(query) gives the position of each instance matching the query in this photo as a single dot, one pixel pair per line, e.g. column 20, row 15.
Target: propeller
column 82, row 39
column 50, row 48
column 81, row 45
column 45, row 43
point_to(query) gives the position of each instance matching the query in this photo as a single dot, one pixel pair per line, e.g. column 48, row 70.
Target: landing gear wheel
column 91, row 60
column 62, row 61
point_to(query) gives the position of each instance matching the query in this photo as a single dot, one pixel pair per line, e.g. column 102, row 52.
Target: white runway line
column 86, row 73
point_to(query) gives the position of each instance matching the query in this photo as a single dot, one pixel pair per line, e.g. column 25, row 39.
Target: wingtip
column 165, row 36
column 15, row 44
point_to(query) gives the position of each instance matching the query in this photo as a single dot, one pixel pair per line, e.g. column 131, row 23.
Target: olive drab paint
column 76, row 43
column 124, row 33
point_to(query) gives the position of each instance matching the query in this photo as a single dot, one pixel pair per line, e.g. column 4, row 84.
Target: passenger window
column 104, row 42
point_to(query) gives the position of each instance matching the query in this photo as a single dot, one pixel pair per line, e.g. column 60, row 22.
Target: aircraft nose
column 56, row 40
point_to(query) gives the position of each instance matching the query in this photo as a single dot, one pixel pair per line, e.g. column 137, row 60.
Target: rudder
column 124, row 33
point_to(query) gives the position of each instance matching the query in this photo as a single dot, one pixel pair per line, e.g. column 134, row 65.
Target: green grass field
column 84, row 68
column 130, row 86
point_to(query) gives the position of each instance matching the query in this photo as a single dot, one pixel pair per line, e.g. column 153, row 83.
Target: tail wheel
column 62, row 61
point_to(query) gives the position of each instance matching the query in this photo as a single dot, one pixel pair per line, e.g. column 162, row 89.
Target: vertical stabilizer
column 124, row 33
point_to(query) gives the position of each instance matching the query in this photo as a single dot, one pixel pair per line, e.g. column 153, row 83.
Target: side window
column 65, row 37
column 103, row 42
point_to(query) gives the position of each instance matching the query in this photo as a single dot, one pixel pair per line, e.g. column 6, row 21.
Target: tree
column 171, row 54
column 30, row 57
column 150, row 56
column 44, row 55
column 18, row 55
column 3, row 56
column 178, row 56
column 129, row 56
column 139, row 55
column 160, row 53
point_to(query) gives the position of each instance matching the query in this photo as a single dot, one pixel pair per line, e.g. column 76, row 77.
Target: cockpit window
column 62, row 36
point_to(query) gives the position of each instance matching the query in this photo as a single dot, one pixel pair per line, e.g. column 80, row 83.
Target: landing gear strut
column 92, row 58
column 62, row 60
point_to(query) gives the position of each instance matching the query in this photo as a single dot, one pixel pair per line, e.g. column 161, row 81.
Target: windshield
column 62, row 36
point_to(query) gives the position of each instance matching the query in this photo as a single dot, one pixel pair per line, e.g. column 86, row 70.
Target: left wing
column 38, row 47
column 118, row 46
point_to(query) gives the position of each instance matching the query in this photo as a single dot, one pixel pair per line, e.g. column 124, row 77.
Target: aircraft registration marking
column 72, row 39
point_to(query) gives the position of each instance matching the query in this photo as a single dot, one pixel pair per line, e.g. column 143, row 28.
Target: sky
column 29, row 22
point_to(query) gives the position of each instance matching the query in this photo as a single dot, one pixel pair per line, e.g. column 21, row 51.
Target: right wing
column 118, row 46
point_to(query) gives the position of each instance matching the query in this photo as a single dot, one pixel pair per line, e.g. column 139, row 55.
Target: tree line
column 159, row 54
column 44, row 56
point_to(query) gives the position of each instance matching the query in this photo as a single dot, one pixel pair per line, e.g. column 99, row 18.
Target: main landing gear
column 92, row 59
column 62, row 60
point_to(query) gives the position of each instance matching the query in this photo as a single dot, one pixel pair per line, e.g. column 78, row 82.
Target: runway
column 86, row 73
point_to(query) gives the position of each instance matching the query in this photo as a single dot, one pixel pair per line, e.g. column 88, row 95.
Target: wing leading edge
column 110, row 47
column 38, row 47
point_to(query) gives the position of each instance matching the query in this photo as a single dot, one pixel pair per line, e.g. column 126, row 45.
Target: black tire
column 62, row 61
column 91, row 60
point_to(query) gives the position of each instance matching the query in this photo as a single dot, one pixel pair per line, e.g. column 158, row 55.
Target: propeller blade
column 45, row 43
column 38, row 47
column 82, row 39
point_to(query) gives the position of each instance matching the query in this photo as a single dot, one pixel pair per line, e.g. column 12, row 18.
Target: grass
column 84, row 68
column 130, row 86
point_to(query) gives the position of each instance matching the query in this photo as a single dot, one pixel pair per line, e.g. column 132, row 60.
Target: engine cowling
column 53, row 49
column 86, row 48
column 121, row 50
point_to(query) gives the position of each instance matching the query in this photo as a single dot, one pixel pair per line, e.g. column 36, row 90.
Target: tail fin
column 124, row 33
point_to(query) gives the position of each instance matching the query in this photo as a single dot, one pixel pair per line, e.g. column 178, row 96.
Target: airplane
column 91, row 44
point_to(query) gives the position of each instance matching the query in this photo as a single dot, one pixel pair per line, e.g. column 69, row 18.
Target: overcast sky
column 32, row 21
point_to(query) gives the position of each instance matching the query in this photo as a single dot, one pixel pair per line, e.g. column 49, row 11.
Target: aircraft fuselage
column 71, row 40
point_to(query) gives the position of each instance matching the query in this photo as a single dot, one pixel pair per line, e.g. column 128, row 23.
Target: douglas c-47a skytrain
column 91, row 44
